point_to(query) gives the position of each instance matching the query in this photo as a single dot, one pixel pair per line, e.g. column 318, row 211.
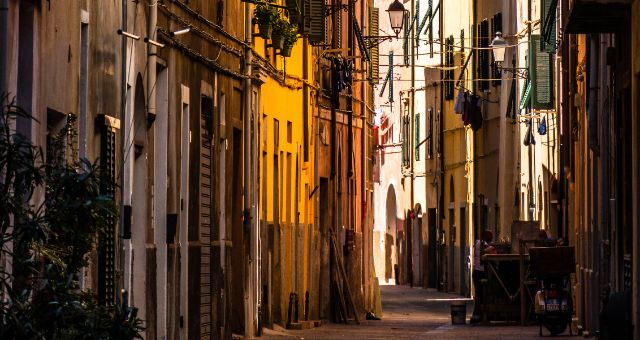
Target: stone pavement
column 411, row 313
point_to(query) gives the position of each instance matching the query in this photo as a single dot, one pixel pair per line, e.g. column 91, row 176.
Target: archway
column 391, row 234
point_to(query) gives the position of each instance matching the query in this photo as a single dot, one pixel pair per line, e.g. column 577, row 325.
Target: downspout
column 408, row 232
column 363, row 171
column 4, row 32
column 248, row 221
column 441, row 150
column 151, row 60
column 350, row 156
column 123, row 132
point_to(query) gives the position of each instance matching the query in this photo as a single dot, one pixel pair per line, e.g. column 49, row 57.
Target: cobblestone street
column 412, row 313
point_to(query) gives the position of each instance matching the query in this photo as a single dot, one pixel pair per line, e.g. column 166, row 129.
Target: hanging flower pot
column 290, row 34
column 286, row 51
column 265, row 16
column 265, row 30
column 277, row 40
column 280, row 26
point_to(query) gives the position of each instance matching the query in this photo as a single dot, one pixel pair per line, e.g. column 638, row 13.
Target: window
column 289, row 132
column 484, row 55
column 430, row 136
column 448, row 74
column 206, row 108
column 406, row 158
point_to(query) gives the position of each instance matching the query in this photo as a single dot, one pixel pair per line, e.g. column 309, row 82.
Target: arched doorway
column 391, row 259
column 451, row 238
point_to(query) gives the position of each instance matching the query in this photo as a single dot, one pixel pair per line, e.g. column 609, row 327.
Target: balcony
column 597, row 16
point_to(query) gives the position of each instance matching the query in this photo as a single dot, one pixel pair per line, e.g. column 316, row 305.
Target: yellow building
column 286, row 174
column 456, row 183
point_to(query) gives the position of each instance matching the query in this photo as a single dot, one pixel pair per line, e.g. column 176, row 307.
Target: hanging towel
column 476, row 113
column 528, row 136
column 458, row 105
column 542, row 128
column 466, row 109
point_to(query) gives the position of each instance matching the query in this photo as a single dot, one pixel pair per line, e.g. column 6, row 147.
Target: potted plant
column 265, row 15
column 277, row 36
column 290, row 38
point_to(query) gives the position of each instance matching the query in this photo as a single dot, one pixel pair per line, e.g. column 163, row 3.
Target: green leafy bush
column 51, row 214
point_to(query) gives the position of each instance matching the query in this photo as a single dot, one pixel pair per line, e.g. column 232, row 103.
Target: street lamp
column 396, row 16
column 499, row 46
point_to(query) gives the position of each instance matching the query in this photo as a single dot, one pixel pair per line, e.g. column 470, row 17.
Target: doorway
column 432, row 268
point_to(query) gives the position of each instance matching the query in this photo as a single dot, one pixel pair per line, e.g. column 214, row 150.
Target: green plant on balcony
column 290, row 37
column 280, row 27
column 265, row 16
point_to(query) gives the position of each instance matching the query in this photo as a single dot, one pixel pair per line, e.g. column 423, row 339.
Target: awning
column 589, row 16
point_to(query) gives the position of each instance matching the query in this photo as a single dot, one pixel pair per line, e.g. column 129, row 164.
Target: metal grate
column 107, row 248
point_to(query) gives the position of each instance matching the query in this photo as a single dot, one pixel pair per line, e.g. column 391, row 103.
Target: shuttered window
column 314, row 21
column 294, row 11
column 405, row 140
column 374, row 51
column 483, row 55
column 448, row 73
column 548, row 20
column 541, row 74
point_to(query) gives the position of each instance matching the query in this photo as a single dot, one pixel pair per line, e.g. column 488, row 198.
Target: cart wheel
column 540, row 330
column 556, row 327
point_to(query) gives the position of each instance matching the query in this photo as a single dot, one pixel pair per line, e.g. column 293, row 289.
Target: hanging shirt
column 458, row 105
column 542, row 128
column 476, row 114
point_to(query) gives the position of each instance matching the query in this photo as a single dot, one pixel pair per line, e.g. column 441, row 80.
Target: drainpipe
column 4, row 32
column 248, row 221
column 151, row 60
column 123, row 132
column 412, row 150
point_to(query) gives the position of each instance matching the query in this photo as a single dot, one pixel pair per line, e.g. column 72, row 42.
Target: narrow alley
column 412, row 313
column 319, row 169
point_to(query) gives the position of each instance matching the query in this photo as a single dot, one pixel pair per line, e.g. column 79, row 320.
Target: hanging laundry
column 476, row 113
column 528, row 136
column 542, row 128
column 458, row 105
column 466, row 109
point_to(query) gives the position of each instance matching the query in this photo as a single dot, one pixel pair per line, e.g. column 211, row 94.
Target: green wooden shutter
column 548, row 24
column 374, row 51
column 314, row 21
column 294, row 11
column 541, row 74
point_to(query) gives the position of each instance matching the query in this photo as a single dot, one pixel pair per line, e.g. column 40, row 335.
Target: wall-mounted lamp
column 128, row 35
column 498, row 47
column 153, row 42
column 180, row 32
column 396, row 18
